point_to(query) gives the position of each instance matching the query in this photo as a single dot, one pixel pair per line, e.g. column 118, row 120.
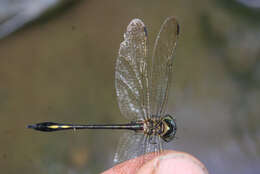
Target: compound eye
column 169, row 128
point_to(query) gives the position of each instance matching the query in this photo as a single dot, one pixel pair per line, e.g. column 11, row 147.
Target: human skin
column 166, row 163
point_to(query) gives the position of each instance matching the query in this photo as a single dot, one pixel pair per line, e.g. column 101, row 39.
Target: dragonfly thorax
column 164, row 127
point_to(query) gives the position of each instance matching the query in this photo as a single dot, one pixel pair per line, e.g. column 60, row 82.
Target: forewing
column 162, row 62
column 131, row 75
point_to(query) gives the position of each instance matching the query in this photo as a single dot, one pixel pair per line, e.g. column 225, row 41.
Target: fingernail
column 179, row 163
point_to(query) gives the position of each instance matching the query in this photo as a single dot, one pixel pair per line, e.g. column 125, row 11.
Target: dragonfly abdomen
column 50, row 126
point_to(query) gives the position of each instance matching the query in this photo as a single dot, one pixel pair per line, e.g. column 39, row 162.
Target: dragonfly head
column 169, row 128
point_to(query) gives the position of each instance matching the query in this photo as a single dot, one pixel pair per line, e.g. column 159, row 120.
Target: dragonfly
column 142, row 88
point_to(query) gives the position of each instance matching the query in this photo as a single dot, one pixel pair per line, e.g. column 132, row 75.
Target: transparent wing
column 132, row 145
column 162, row 61
column 153, row 144
column 131, row 76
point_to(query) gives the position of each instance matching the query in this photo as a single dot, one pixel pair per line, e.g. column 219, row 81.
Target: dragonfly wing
column 131, row 74
column 153, row 144
column 162, row 61
column 130, row 145
column 133, row 144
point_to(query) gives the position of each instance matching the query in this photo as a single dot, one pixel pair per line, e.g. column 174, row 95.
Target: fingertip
column 174, row 162
column 167, row 162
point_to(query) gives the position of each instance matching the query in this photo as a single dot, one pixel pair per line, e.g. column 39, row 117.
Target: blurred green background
column 60, row 67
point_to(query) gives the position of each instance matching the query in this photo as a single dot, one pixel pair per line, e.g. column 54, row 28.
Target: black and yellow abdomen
column 50, row 126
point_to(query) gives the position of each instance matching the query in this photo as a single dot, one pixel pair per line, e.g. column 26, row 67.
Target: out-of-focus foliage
column 15, row 14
